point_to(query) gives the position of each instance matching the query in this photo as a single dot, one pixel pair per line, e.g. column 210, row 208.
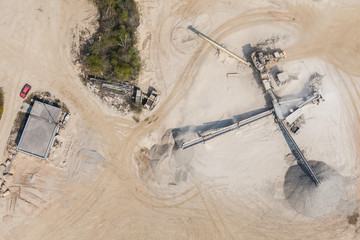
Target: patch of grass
column 1, row 102
column 112, row 53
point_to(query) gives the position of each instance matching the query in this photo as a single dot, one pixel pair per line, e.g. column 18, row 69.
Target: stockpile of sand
column 162, row 165
column 314, row 201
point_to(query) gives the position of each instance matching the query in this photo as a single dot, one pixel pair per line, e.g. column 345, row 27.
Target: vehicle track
column 118, row 205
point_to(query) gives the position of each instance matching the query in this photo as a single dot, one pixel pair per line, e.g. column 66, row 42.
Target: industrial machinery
column 261, row 61
column 151, row 100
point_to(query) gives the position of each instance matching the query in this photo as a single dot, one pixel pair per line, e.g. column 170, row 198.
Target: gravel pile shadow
column 314, row 201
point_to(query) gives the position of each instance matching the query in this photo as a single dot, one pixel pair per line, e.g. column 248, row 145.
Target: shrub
column 123, row 71
column 137, row 108
column 95, row 63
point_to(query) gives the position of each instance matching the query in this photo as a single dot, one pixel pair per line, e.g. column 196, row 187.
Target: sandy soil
column 233, row 187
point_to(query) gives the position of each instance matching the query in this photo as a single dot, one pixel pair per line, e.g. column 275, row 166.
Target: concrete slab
column 45, row 111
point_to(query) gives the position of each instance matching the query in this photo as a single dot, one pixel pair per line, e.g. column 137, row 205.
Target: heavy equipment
column 260, row 61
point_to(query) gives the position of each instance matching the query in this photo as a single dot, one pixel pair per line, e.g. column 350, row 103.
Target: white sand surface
column 232, row 187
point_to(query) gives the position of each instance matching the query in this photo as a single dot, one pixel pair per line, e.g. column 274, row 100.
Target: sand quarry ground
column 124, row 180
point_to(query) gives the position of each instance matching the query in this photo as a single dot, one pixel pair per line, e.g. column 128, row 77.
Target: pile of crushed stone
column 314, row 201
column 163, row 165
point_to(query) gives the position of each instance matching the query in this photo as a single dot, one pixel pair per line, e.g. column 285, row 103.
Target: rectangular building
column 40, row 130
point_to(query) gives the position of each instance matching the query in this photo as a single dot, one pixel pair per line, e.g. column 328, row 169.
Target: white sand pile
column 314, row 201
column 164, row 166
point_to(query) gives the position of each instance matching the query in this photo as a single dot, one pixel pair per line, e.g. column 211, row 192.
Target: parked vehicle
column 25, row 90
column 151, row 100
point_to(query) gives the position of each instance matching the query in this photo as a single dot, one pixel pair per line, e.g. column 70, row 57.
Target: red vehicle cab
column 25, row 90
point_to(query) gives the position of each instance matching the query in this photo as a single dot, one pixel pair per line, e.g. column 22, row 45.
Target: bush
column 135, row 107
column 123, row 71
column 112, row 54
column 95, row 63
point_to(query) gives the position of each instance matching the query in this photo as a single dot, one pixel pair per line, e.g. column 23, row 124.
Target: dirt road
column 36, row 44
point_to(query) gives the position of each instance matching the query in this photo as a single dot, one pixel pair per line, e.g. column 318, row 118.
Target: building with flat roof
column 283, row 77
column 40, row 130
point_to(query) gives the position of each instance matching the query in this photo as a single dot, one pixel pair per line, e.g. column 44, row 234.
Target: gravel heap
column 166, row 166
column 310, row 200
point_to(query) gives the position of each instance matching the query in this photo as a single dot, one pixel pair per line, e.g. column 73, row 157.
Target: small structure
column 294, row 116
column 138, row 95
column 151, row 100
column 228, row 75
column 283, row 77
column 39, row 130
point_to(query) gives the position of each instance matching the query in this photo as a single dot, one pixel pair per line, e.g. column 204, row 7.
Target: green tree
column 123, row 71
column 95, row 64
column 112, row 53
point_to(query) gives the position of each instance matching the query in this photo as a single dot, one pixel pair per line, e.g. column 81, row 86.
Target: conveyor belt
column 299, row 154
column 220, row 131
column 218, row 46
